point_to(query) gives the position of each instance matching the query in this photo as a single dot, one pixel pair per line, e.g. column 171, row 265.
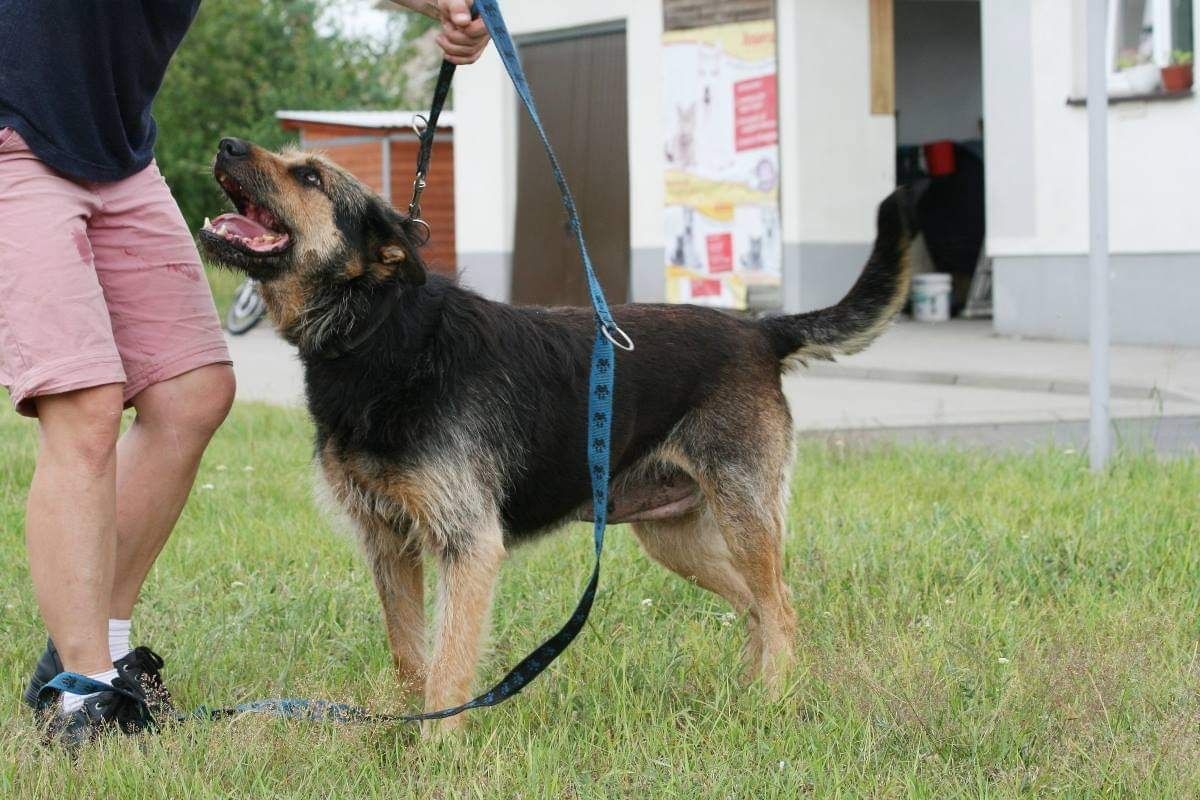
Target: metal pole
column 1100, row 446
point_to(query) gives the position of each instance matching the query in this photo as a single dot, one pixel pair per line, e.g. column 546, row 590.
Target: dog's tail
column 876, row 297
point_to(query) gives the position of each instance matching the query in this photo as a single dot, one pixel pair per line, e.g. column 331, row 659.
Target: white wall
column 486, row 111
column 838, row 161
column 939, row 70
column 1037, row 145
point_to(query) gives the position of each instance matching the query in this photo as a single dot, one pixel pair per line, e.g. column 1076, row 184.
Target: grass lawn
column 224, row 283
column 971, row 626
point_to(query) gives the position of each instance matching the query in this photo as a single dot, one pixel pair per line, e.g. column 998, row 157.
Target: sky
column 359, row 17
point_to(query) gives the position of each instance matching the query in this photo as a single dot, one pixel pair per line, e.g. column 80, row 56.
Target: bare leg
column 466, row 581
column 157, row 459
column 70, row 522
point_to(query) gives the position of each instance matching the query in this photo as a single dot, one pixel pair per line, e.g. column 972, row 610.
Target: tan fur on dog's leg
column 693, row 548
column 746, row 493
column 399, row 578
column 755, row 545
column 466, row 582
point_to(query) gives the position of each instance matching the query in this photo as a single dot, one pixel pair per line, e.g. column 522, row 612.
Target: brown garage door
column 578, row 80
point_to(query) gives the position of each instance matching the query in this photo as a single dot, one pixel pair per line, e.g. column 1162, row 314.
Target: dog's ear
column 390, row 249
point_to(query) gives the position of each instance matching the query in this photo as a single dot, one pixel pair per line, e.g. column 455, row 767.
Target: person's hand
column 462, row 39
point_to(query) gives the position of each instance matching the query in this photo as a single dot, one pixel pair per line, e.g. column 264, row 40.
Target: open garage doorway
column 940, row 134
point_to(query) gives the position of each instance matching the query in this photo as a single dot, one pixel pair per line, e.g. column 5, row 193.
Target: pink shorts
column 99, row 283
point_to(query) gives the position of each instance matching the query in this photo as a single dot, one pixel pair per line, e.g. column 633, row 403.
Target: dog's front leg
column 466, row 580
column 398, row 577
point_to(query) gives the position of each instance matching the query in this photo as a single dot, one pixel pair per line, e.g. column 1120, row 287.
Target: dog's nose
column 234, row 148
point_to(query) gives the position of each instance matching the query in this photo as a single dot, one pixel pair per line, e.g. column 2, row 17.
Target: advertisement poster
column 722, row 163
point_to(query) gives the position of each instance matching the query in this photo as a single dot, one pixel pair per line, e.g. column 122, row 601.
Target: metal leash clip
column 420, row 126
column 414, row 209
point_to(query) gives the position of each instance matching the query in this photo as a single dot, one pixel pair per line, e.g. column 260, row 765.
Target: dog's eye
column 308, row 176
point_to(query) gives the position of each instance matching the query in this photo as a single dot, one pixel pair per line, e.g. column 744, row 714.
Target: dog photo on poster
column 722, row 163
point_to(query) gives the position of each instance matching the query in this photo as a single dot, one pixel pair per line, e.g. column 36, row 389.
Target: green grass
column 224, row 283
column 971, row 626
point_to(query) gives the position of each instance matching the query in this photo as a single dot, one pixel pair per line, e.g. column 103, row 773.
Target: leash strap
column 426, row 130
column 601, row 383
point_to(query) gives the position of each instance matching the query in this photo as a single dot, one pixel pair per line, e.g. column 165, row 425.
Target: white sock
column 118, row 638
column 73, row 702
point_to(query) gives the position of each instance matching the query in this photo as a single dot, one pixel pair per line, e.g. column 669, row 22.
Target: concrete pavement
column 267, row 367
column 960, row 373
column 949, row 382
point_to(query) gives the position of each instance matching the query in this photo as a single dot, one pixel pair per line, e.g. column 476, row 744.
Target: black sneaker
column 141, row 666
column 47, row 667
column 122, row 710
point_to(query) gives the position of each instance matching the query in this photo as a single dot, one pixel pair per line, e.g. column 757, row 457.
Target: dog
column 454, row 427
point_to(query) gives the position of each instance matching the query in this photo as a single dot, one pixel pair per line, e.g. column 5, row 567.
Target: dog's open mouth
column 253, row 229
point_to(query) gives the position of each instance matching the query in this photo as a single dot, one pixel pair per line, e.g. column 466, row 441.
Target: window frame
column 1164, row 39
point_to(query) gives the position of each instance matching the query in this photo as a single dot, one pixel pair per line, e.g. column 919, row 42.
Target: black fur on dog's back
column 519, row 378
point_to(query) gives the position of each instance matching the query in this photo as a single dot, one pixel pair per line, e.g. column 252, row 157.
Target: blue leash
column 601, row 384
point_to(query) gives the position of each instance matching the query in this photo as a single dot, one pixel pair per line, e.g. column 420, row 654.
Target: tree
column 243, row 60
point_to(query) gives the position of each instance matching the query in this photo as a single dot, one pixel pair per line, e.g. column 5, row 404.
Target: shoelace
column 142, row 666
column 145, row 659
column 126, row 706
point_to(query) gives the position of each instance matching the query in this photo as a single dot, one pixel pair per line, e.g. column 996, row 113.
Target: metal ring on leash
column 427, row 231
column 609, row 334
column 420, row 124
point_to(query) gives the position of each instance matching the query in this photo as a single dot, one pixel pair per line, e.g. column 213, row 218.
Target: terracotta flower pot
column 1177, row 78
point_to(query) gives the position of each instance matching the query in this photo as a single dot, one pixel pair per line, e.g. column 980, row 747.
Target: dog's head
column 303, row 221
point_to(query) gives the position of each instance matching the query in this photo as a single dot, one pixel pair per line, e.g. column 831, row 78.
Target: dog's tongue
column 248, row 232
column 239, row 225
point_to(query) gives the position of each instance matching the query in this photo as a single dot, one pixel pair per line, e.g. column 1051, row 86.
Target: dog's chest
column 438, row 500
column 363, row 491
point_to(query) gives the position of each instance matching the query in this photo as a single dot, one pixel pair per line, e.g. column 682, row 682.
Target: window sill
column 1152, row 97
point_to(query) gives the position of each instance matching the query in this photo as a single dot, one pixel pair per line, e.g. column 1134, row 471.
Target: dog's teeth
column 207, row 224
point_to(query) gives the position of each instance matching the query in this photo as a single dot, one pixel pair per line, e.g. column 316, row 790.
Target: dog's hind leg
column 396, row 568
column 694, row 548
column 466, row 581
column 698, row 550
column 755, row 540
column 741, row 460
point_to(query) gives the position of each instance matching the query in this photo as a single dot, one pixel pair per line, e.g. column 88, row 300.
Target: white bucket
column 931, row 297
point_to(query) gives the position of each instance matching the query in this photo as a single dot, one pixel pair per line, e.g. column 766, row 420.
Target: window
column 1147, row 32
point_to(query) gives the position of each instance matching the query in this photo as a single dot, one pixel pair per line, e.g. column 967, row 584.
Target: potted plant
column 1178, row 77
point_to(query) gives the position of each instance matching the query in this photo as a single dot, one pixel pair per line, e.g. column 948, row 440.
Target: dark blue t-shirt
column 78, row 78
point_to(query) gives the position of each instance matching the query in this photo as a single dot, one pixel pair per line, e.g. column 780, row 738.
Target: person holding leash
column 104, row 305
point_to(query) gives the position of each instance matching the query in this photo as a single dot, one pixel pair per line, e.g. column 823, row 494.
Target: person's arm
column 462, row 39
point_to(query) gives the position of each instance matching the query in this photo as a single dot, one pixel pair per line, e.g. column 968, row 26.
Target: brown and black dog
column 454, row 426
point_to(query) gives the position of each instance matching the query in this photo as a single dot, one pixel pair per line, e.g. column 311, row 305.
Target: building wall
column 1037, row 174
column 837, row 160
column 486, row 114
